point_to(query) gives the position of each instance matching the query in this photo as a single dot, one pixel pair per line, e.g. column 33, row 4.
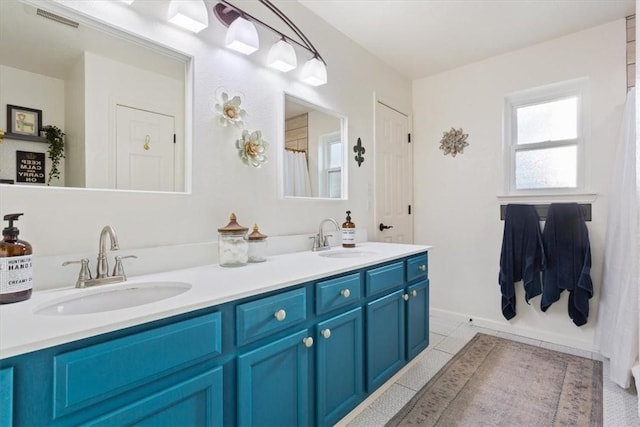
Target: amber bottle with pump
column 348, row 233
column 16, row 276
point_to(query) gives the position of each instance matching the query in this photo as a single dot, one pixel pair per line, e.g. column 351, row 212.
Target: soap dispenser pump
column 16, row 272
column 348, row 233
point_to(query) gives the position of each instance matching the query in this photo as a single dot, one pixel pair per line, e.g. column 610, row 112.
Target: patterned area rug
column 498, row 382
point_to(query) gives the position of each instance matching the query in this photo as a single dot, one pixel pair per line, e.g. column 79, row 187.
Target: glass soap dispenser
column 257, row 245
column 233, row 250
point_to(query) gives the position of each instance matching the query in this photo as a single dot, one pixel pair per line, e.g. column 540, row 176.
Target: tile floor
column 447, row 337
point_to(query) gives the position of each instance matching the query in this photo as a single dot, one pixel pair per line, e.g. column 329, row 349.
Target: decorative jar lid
column 233, row 226
column 256, row 235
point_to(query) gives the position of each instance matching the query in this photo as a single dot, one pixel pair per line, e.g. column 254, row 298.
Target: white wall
column 30, row 90
column 75, row 126
column 68, row 221
column 456, row 203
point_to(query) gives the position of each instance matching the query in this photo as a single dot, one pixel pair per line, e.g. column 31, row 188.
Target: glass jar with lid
column 257, row 245
column 233, row 250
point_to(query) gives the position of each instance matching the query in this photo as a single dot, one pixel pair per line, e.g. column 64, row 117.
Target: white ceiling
column 424, row 37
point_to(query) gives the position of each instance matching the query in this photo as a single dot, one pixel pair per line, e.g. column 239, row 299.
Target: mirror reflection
column 314, row 145
column 120, row 101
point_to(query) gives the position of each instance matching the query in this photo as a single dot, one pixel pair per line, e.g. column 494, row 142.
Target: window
column 330, row 171
column 544, row 139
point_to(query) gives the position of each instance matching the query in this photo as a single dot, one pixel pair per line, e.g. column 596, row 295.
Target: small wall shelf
column 25, row 137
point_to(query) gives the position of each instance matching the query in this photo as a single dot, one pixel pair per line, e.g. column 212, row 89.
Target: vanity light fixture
column 314, row 72
column 282, row 55
column 189, row 14
column 242, row 36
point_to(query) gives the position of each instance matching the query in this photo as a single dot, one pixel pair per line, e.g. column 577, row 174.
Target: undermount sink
column 125, row 296
column 345, row 253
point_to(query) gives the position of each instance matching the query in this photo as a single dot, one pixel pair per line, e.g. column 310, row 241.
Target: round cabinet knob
column 308, row 342
column 414, row 293
column 280, row 315
column 405, row 297
column 422, row 267
column 326, row 333
column 345, row 293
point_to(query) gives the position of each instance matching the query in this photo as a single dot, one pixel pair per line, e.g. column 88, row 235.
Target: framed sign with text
column 30, row 167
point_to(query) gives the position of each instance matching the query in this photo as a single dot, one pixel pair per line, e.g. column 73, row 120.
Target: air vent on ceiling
column 57, row 18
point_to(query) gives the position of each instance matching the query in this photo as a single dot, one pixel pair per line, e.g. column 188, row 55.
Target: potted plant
column 55, row 140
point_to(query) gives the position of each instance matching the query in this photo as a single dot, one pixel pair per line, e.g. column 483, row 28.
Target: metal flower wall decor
column 251, row 148
column 229, row 111
column 453, row 142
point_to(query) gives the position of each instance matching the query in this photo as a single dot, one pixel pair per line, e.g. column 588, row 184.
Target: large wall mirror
column 121, row 101
column 314, row 158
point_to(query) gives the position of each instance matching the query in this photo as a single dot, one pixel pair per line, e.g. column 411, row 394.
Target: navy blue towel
column 521, row 257
column 568, row 260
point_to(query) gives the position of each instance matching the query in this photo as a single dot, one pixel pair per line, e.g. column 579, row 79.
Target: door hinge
column 409, row 138
column 174, row 138
column 409, row 209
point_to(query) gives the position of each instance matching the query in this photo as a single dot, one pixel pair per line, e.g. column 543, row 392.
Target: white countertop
column 23, row 331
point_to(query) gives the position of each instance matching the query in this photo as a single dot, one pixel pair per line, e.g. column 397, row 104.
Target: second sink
column 125, row 296
column 345, row 253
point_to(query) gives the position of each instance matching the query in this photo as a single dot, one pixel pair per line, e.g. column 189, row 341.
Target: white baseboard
column 532, row 333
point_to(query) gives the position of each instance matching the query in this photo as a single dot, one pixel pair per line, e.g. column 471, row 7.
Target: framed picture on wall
column 24, row 121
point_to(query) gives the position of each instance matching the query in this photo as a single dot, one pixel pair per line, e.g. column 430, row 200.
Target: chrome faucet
column 102, row 268
column 320, row 240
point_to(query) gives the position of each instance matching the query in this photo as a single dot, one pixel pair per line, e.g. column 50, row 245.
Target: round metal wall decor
column 453, row 142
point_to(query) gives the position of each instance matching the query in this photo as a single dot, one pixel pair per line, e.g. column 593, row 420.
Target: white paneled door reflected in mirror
column 314, row 159
column 99, row 85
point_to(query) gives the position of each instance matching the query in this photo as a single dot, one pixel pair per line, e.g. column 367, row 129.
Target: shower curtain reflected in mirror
column 296, row 174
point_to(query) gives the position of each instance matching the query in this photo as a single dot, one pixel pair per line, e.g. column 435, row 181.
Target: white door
column 393, row 177
column 144, row 150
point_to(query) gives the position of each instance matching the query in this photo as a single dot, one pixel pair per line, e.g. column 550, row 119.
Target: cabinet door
column 385, row 338
column 194, row 402
column 339, row 366
column 6, row 397
column 417, row 318
column 273, row 383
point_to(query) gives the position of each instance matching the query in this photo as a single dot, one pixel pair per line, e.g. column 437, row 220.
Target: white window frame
column 324, row 170
column 554, row 92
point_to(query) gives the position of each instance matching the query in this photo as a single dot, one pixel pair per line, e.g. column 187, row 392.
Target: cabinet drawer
column 267, row 315
column 384, row 278
column 334, row 293
column 417, row 267
column 91, row 374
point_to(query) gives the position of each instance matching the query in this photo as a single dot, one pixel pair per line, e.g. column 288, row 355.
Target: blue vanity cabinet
column 417, row 297
column 417, row 318
column 313, row 375
column 164, row 373
column 273, row 374
column 385, row 338
column 397, row 323
column 339, row 366
column 273, row 382
column 299, row 356
column 6, row 397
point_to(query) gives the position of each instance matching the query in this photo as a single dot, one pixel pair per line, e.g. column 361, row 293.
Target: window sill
column 548, row 198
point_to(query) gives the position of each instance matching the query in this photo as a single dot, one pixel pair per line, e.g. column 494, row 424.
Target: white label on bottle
column 16, row 274
column 348, row 235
